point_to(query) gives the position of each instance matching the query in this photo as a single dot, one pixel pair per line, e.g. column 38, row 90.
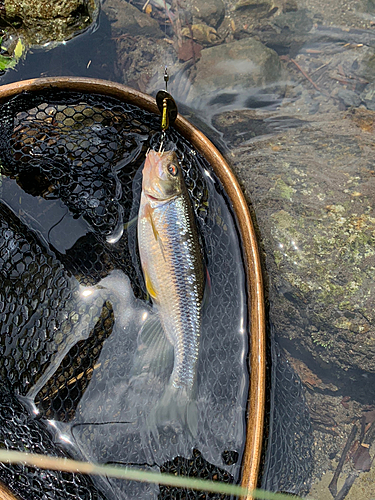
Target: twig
column 168, row 14
column 333, row 484
column 177, row 25
column 145, row 5
column 369, row 437
column 313, row 51
column 192, row 40
column 306, row 75
column 320, row 67
column 363, row 429
column 347, row 485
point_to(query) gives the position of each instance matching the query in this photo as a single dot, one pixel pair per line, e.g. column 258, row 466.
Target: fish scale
column 178, row 295
column 173, row 266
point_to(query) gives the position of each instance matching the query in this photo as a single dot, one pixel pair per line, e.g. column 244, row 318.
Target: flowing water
column 286, row 90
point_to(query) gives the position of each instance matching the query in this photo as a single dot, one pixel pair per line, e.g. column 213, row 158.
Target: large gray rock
column 244, row 64
column 128, row 20
column 210, row 12
column 42, row 21
column 286, row 32
column 313, row 192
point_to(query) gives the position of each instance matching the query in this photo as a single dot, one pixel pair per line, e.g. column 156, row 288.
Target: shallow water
column 296, row 123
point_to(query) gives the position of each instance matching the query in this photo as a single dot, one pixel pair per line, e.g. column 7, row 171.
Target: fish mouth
column 151, row 197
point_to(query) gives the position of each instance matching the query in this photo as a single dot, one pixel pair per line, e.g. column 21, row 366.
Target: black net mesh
column 21, row 432
column 289, row 440
column 71, row 174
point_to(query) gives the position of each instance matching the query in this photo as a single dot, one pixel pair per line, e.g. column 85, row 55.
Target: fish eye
column 172, row 169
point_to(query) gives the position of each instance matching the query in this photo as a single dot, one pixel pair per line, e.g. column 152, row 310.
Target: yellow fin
column 150, row 289
column 154, row 230
column 148, row 213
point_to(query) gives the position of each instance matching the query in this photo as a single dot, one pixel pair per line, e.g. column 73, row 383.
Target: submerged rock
column 244, row 64
column 258, row 8
column 368, row 96
column 312, row 189
column 210, row 12
column 202, row 33
column 40, row 22
column 348, row 97
column 287, row 32
column 128, row 20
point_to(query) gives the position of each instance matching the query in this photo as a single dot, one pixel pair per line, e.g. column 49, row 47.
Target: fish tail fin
column 176, row 407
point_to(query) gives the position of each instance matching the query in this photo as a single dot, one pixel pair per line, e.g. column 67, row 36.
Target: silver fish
column 173, row 269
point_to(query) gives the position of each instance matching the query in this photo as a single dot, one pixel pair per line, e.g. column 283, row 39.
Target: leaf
column 7, row 62
column 19, row 50
column 362, row 459
column 369, row 416
column 189, row 50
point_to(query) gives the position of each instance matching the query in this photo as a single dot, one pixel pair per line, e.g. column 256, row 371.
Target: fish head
column 162, row 176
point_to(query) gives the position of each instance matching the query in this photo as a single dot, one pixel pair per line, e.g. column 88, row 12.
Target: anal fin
column 154, row 355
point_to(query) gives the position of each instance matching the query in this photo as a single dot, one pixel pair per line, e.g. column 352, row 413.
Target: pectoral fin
column 150, row 289
column 130, row 223
column 154, row 230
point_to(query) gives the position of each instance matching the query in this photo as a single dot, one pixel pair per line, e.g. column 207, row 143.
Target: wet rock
column 309, row 378
column 366, row 6
column 128, row 20
column 244, row 64
column 290, row 6
column 138, row 59
column 312, row 189
column 368, row 96
column 368, row 66
column 328, row 34
column 189, row 50
column 299, row 21
column 355, row 65
column 258, row 8
column 42, row 21
column 348, row 97
column 240, row 126
column 210, row 12
column 287, row 31
column 202, row 33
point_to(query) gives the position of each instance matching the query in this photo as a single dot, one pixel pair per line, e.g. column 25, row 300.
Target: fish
column 173, row 268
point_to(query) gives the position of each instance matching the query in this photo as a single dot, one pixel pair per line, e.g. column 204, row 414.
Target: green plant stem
column 69, row 465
